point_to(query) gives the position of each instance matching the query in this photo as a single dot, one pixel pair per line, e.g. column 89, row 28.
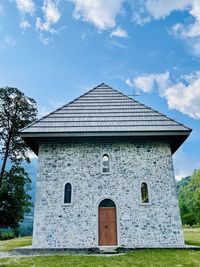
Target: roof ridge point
column 123, row 94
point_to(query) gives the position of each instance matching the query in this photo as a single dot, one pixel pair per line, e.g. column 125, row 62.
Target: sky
column 56, row 50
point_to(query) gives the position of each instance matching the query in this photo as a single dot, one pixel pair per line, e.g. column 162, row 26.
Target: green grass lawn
column 150, row 258
column 7, row 245
column 192, row 236
column 138, row 258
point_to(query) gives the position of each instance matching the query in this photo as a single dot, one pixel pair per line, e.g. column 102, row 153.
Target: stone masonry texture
column 155, row 224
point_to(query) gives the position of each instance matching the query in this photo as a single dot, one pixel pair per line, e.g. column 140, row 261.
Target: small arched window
column 68, row 193
column 105, row 163
column 144, row 193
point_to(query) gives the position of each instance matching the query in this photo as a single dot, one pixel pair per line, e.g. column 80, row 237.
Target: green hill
column 188, row 190
column 182, row 183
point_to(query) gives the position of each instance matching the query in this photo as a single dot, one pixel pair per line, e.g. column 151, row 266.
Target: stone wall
column 156, row 224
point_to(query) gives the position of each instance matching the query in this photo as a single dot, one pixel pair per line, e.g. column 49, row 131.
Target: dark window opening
column 68, row 193
column 144, row 193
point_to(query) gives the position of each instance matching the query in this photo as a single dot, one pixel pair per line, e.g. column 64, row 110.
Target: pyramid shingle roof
column 104, row 110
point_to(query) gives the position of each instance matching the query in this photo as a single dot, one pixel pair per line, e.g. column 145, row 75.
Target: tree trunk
column 5, row 158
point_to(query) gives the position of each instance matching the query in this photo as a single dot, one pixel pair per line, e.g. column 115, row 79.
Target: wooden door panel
column 107, row 227
column 102, row 231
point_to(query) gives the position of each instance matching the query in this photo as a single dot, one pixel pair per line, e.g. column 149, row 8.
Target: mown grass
column 8, row 245
column 150, row 258
column 138, row 258
column 192, row 236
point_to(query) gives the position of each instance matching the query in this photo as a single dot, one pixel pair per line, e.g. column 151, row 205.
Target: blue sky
column 55, row 50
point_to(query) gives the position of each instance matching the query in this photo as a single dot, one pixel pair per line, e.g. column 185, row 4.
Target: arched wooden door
column 107, row 223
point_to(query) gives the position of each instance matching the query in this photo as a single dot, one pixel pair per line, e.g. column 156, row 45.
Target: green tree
column 189, row 198
column 16, row 112
column 196, row 190
column 186, row 205
column 14, row 197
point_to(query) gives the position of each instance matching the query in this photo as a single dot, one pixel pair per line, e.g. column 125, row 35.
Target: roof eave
column 176, row 138
column 108, row 133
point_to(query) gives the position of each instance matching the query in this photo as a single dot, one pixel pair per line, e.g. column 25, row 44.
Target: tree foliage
column 189, row 198
column 14, row 197
column 16, row 112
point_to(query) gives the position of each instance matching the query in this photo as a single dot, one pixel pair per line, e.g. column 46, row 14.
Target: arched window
column 105, row 163
column 68, row 193
column 144, row 193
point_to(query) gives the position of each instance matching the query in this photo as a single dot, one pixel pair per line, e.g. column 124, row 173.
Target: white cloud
column 147, row 10
column 24, row 24
column 43, row 26
column 190, row 35
column 145, row 82
column 159, row 9
column 194, row 30
column 183, row 95
column 129, row 82
column 190, row 32
column 102, row 13
column 148, row 82
column 196, row 47
column 51, row 11
column 44, row 40
column 51, row 16
column 121, row 33
column 183, row 173
column 26, row 6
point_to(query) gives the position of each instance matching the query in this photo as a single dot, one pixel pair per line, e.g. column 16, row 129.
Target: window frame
column 63, row 193
column 109, row 161
column 149, row 195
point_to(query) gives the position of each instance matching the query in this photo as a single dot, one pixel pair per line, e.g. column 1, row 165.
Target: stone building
column 105, row 174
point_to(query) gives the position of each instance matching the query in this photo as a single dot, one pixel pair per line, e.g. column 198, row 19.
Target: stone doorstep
column 108, row 249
